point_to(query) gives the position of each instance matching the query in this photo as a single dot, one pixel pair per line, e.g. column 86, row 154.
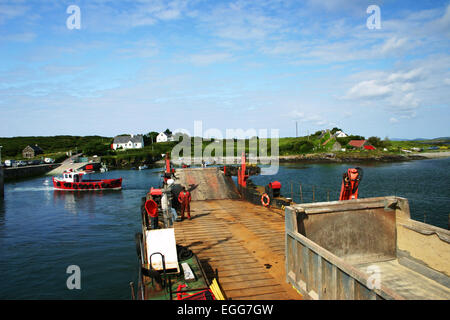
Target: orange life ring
column 267, row 198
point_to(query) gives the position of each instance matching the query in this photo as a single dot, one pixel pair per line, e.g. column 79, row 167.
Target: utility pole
column 296, row 129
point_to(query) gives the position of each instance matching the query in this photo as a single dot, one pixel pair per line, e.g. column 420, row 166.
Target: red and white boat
column 73, row 181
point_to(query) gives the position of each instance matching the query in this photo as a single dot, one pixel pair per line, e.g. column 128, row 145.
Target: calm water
column 42, row 232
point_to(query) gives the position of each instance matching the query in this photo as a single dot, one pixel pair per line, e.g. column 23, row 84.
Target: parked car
column 9, row 163
column 21, row 163
column 49, row 160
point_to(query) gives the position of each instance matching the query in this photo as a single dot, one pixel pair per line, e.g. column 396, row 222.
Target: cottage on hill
column 361, row 144
column 128, row 142
column 32, row 151
column 340, row 134
column 164, row 137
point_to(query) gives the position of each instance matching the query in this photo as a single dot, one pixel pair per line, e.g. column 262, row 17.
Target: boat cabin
column 70, row 176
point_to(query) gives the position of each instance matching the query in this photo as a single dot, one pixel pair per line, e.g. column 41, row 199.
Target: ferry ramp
column 239, row 243
column 67, row 164
column 65, row 167
column 207, row 183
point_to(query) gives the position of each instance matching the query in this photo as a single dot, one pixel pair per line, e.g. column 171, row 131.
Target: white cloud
column 308, row 117
column 168, row 14
column 139, row 49
column 369, row 89
column 19, row 37
column 101, row 16
column 393, row 44
column 241, row 21
column 12, row 10
column 411, row 75
column 355, row 6
column 406, row 89
column 393, row 120
column 444, row 21
column 209, row 58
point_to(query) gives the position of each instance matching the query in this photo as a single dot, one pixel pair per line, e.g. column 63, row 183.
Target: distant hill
column 422, row 139
column 440, row 139
column 13, row 147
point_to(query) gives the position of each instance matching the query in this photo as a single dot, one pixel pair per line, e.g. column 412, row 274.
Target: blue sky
column 140, row 66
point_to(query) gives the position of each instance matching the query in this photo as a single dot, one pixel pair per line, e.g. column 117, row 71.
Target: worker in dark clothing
column 184, row 198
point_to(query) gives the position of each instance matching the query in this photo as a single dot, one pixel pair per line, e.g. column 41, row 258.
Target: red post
column 167, row 163
column 242, row 177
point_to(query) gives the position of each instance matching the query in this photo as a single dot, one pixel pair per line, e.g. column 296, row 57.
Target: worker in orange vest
column 184, row 198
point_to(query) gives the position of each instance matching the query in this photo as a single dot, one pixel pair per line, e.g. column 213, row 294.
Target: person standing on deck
column 185, row 199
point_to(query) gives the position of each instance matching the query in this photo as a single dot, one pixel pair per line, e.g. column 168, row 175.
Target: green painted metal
column 201, row 283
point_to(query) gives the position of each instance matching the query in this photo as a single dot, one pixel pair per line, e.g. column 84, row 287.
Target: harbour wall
column 28, row 171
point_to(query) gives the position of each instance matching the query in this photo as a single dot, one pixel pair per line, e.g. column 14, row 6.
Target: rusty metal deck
column 207, row 183
column 244, row 242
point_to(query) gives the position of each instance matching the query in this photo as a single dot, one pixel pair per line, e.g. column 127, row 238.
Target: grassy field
column 12, row 147
column 320, row 142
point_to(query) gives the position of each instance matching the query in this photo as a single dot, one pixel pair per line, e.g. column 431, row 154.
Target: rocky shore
column 321, row 157
column 332, row 157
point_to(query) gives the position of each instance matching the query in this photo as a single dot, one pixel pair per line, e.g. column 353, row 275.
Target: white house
column 340, row 134
column 128, row 142
column 163, row 137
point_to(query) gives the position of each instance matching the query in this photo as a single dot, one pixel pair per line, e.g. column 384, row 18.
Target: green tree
column 335, row 129
column 95, row 148
column 317, row 133
column 150, row 137
column 303, row 146
column 375, row 141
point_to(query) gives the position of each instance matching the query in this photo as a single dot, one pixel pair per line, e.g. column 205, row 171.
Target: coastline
column 434, row 155
column 319, row 158
column 338, row 158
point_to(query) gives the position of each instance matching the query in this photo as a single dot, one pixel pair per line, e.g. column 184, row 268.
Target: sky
column 147, row 65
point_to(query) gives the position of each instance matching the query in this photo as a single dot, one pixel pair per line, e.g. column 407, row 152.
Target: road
column 68, row 164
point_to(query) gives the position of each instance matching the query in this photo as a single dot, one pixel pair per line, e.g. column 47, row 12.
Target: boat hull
column 90, row 185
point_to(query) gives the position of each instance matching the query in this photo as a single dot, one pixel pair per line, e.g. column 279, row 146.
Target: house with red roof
column 361, row 144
